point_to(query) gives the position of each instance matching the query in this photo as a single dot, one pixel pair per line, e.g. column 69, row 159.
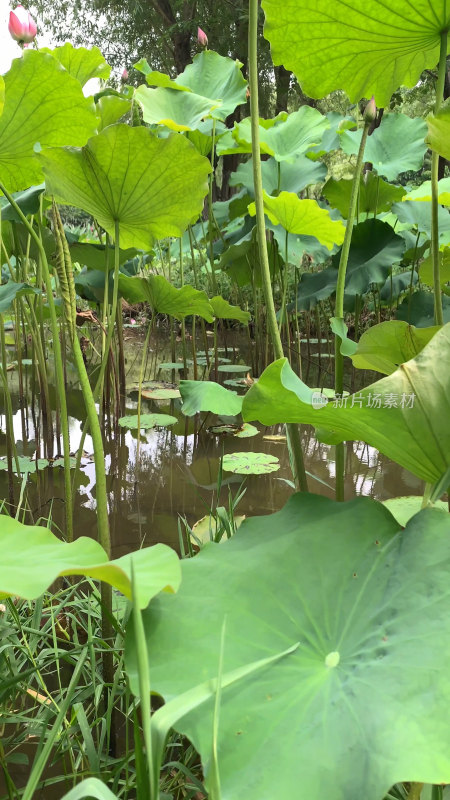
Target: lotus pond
column 225, row 430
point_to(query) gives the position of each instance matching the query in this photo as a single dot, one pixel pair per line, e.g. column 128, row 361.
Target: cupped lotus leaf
column 81, row 63
column 28, row 202
column 224, row 310
column 366, row 48
column 44, row 107
column 302, row 217
column 165, row 298
column 147, row 421
column 387, row 345
column 283, row 176
column 288, row 137
column 209, row 396
column 375, row 195
column 419, row 214
column 152, row 187
column 374, row 248
column 33, row 557
column 111, row 109
column 398, row 145
column 9, row 292
column 438, row 137
column 423, row 192
column 250, row 463
column 217, row 78
column 364, row 607
column 426, row 268
column 406, row 415
column 179, row 111
column 396, row 285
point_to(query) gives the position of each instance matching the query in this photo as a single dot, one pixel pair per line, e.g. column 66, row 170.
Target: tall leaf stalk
column 292, row 431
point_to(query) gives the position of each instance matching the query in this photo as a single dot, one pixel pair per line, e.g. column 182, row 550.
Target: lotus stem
column 438, row 312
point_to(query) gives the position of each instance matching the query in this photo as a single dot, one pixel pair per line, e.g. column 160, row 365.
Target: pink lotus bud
column 202, row 38
column 370, row 111
column 124, row 76
column 132, row 321
column 22, row 26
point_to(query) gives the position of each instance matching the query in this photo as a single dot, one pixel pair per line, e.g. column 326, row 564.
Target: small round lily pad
column 243, row 431
column 233, row 368
column 160, row 394
column 147, row 421
column 171, row 365
column 250, row 463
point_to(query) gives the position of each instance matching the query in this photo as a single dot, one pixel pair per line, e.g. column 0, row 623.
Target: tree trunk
column 282, row 82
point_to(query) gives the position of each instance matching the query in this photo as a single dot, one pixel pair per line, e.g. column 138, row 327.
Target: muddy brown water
column 178, row 466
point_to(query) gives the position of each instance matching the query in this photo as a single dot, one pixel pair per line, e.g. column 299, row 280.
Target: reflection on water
column 178, row 466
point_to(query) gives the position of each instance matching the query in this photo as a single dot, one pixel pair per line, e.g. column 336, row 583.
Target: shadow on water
column 178, row 466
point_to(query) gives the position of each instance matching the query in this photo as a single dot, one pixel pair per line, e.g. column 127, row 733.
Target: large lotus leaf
column 242, row 261
column 93, row 256
column 426, row 268
column 398, row 145
column 375, row 194
column 298, row 245
column 81, row 63
column 11, row 291
column 397, row 285
column 423, row 192
column 28, row 202
column 406, row 415
column 179, row 111
column 165, row 298
column 302, row 217
column 209, row 396
column 374, row 248
column 314, row 287
column 224, row 310
column 287, row 137
column 419, row 215
column 110, row 109
column 331, row 139
column 366, row 48
column 33, row 557
column 363, row 608
column 418, row 309
column 438, row 137
column 44, row 107
column 280, row 176
column 217, row 78
column 155, row 78
column 153, row 187
column 387, row 345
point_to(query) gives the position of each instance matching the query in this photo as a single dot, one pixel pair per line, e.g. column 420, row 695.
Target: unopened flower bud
column 370, row 111
column 124, row 76
column 22, row 26
column 202, row 38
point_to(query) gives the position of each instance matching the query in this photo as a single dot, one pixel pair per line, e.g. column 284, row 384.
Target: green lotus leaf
column 209, row 396
column 9, row 292
column 303, row 217
column 250, row 463
column 154, row 78
column 387, row 345
column 423, row 192
column 233, row 368
column 375, row 195
column 339, row 328
column 283, row 176
column 438, row 137
column 355, row 618
column 366, row 48
column 25, row 464
column 419, row 214
column 224, row 310
column 28, row 202
column 110, row 109
column 217, row 78
column 81, row 63
column 398, row 145
column 165, row 298
column 33, row 557
column 2, row 94
column 152, row 187
column 287, row 138
column 44, row 107
column 179, row 111
column 396, row 285
column 406, row 415
column 418, row 309
column 161, row 393
column 426, row 268
column 404, row 508
column 93, row 256
column 374, row 248
column 312, row 288
column 147, row 421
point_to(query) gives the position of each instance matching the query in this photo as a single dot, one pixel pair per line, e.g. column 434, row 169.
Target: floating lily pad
column 233, row 368
column 160, row 394
column 241, row 431
column 250, row 463
column 147, row 421
column 236, row 383
column 26, row 464
column 171, row 365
